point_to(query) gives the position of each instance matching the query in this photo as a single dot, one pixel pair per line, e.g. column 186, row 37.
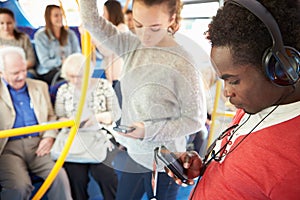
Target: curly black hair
column 247, row 37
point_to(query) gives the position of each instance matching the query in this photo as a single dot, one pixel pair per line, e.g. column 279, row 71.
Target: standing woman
column 112, row 11
column 53, row 44
column 162, row 91
column 10, row 36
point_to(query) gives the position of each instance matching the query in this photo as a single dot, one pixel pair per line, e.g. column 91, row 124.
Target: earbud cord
column 252, row 129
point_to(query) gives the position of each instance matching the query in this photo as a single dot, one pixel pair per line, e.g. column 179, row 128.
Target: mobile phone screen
column 82, row 123
column 170, row 160
column 124, row 129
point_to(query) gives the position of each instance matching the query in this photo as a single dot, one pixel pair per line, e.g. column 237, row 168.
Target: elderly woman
column 98, row 110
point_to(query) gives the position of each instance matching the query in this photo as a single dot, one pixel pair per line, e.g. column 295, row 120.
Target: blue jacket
column 49, row 51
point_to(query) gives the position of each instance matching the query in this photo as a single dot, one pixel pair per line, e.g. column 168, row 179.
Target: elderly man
column 25, row 102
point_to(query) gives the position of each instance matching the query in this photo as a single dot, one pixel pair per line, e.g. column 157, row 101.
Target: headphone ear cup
column 276, row 72
column 294, row 56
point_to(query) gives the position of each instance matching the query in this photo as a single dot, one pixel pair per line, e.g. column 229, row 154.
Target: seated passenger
column 100, row 100
column 10, row 36
column 53, row 44
column 25, row 102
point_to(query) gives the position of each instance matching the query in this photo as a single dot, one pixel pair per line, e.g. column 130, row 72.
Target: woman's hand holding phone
column 124, row 129
column 136, row 130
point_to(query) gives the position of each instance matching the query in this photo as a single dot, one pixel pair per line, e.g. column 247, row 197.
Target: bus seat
column 36, row 182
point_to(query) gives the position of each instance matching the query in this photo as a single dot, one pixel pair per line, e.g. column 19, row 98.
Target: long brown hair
column 63, row 39
column 115, row 12
column 17, row 34
column 174, row 6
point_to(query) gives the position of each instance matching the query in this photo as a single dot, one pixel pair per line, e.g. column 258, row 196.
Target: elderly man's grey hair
column 5, row 50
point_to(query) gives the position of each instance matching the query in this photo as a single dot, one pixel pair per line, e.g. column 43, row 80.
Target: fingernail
column 186, row 165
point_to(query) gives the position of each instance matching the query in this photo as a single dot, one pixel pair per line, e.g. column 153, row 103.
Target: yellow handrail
column 126, row 6
column 215, row 112
column 74, row 124
column 225, row 114
column 63, row 12
column 73, row 131
column 36, row 128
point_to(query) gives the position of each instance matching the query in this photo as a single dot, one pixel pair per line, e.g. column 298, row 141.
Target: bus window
column 196, row 17
column 37, row 17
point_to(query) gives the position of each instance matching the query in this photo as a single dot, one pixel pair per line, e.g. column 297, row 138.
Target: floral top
column 100, row 99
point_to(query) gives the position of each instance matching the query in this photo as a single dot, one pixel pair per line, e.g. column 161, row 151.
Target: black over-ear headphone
column 280, row 63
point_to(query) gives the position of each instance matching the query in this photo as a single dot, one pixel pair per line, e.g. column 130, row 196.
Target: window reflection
column 34, row 11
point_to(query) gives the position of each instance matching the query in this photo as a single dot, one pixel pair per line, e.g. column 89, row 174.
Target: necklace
column 222, row 135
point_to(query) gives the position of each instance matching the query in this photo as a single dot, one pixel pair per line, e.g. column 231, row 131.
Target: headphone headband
column 265, row 16
column 278, row 50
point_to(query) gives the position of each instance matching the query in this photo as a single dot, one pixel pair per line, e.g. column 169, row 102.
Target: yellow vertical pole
column 214, row 112
column 87, row 52
column 126, row 6
column 63, row 12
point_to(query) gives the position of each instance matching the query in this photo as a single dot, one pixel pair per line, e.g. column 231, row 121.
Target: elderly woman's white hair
column 73, row 62
column 5, row 50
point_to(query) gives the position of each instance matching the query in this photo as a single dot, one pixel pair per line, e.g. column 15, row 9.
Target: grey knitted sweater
column 161, row 86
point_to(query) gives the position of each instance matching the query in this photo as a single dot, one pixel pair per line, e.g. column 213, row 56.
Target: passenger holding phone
column 162, row 90
column 98, row 110
column 256, row 157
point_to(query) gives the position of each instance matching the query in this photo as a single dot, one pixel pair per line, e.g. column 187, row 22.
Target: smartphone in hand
column 82, row 123
column 172, row 163
column 124, row 129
